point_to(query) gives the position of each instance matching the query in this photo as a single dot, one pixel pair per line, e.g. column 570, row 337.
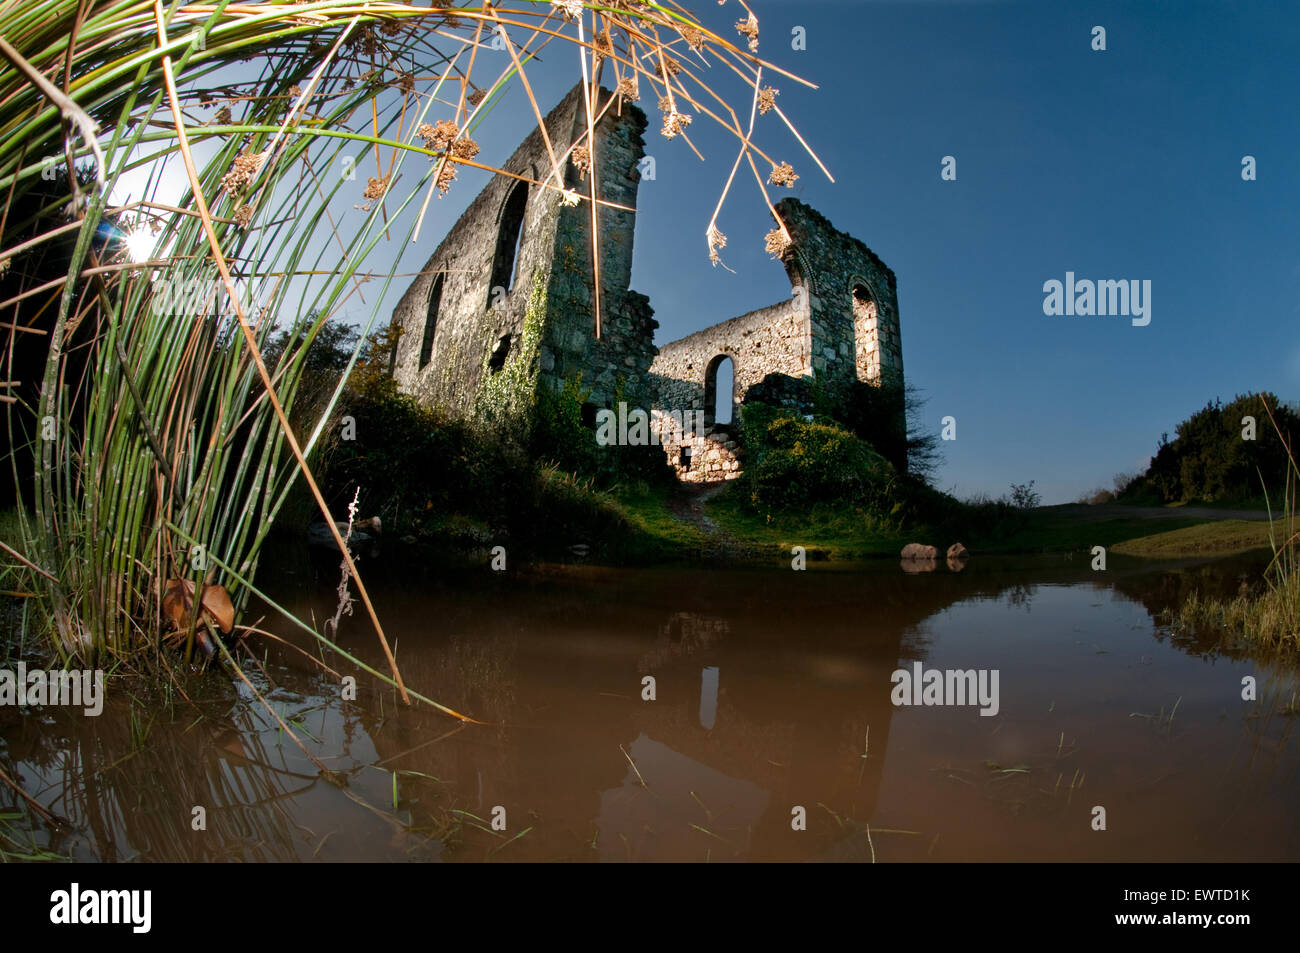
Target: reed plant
column 161, row 437
column 1268, row 617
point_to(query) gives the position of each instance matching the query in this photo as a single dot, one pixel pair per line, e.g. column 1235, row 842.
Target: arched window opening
column 509, row 239
column 500, row 352
column 431, row 320
column 866, row 334
column 719, row 391
column 798, row 286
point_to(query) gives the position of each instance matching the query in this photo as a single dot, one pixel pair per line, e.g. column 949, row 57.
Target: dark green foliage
column 887, row 417
column 559, row 437
column 1209, row 460
column 818, row 470
column 559, row 434
column 794, row 462
column 535, row 488
column 39, row 205
column 1024, row 496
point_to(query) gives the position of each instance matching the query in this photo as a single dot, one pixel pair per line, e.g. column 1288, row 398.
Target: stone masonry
column 467, row 317
column 464, row 316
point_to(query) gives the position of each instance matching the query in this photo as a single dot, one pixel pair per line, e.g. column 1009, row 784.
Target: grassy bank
column 1267, row 615
column 1218, row 538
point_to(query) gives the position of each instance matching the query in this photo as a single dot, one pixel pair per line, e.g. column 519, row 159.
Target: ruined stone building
column 504, row 305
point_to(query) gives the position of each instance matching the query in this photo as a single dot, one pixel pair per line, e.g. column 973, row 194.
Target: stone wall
column 770, row 340
column 831, row 264
column 478, row 325
column 467, row 318
column 614, row 365
column 840, row 325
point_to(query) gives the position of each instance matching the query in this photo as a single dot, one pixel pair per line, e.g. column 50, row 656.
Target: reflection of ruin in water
column 770, row 689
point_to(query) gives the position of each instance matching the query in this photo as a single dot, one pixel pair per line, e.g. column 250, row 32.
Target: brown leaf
column 217, row 601
column 177, row 604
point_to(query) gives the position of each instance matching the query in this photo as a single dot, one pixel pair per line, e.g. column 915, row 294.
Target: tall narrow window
column 509, row 238
column 431, row 320
column 866, row 334
column 719, row 391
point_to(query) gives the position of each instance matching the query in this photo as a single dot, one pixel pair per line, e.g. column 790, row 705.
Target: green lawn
column 1222, row 537
column 847, row 534
column 837, row 532
column 1047, row 533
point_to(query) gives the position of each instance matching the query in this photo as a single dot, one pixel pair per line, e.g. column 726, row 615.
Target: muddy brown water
column 772, row 699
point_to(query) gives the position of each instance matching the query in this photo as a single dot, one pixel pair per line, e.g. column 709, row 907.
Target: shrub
column 1208, row 459
column 1024, row 496
column 795, row 462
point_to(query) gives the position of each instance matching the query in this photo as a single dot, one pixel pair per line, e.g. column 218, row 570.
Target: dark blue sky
column 1123, row 164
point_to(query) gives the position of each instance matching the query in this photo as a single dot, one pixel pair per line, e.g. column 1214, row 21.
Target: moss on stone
column 510, row 393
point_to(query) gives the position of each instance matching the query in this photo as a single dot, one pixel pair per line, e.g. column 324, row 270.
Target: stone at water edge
column 958, row 551
column 919, row 551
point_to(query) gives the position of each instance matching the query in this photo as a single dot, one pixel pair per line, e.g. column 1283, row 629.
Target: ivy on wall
column 508, row 395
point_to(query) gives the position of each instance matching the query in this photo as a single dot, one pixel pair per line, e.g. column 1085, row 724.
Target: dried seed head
column 603, row 44
column 375, row 187
column 243, row 215
column 767, row 99
column 668, row 67
column 295, row 91
column 571, row 9
column 449, row 18
column 464, row 148
column 406, row 82
column 446, row 175
column 777, row 243
column 242, row 171
column 364, row 41
column 674, row 123
column 476, row 97
column 694, row 38
column 569, row 197
column 749, row 27
column 223, row 117
column 581, row 158
column 782, row 174
column 716, row 240
column 628, row 89
column 438, row 136
column 665, row 104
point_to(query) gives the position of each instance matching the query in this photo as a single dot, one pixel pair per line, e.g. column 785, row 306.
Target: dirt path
column 1118, row 511
column 689, row 508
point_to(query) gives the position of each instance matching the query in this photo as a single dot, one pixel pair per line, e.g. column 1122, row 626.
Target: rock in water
column 363, row 531
column 919, row 551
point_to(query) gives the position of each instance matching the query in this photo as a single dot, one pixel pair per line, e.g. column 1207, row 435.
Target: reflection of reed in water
column 446, row 776
column 128, row 783
column 1270, row 723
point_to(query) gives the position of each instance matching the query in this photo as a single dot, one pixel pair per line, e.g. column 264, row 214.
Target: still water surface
column 772, row 693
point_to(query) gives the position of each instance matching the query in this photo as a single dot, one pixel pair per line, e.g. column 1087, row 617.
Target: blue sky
column 1117, row 164
column 1122, row 164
